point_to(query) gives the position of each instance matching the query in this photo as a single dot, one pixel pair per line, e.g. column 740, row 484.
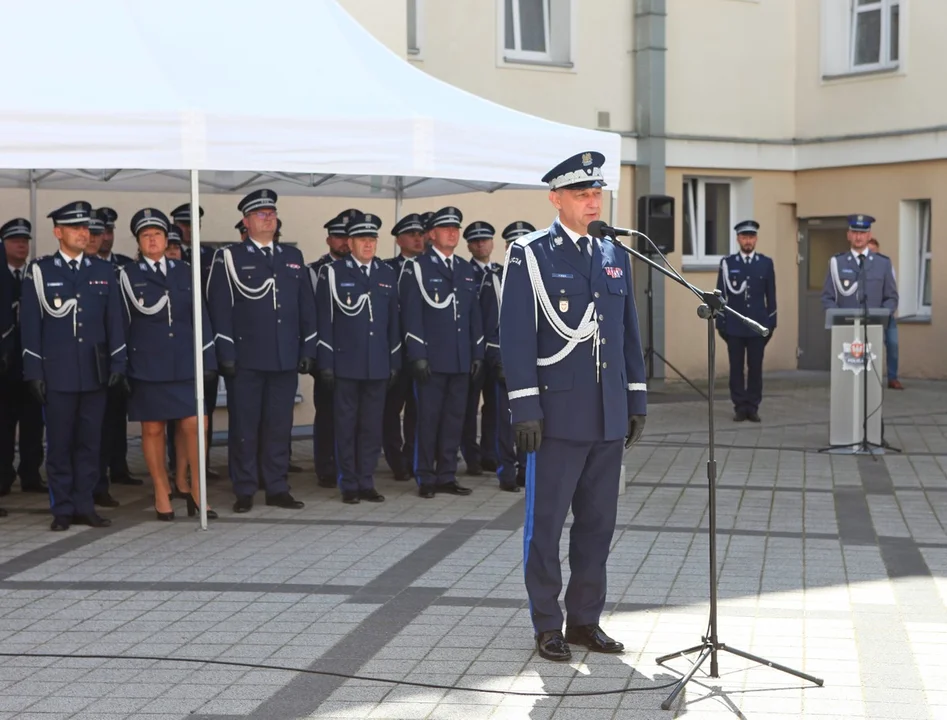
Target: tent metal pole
column 33, row 202
column 198, row 306
column 399, row 198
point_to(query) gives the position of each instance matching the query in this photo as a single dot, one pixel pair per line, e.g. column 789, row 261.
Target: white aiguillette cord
column 68, row 306
column 164, row 300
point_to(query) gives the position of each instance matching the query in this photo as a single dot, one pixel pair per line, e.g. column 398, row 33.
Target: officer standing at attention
column 443, row 331
column 398, row 447
column 480, row 456
column 576, row 381
column 859, row 273
column 73, row 348
column 18, row 409
column 748, row 283
column 490, row 302
column 175, row 248
column 108, row 217
column 359, row 353
column 264, row 317
column 241, row 228
column 323, row 431
column 426, row 218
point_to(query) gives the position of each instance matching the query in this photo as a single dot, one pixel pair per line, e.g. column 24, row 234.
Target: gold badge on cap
column 563, row 305
column 148, row 212
column 587, row 159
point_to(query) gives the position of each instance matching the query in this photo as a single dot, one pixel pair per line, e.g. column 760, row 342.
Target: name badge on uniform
column 57, row 302
column 563, row 304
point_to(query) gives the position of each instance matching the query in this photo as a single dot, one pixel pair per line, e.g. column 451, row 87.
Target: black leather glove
column 392, row 378
column 6, row 362
column 420, row 369
column 227, row 369
column 476, row 367
column 307, row 366
column 37, row 389
column 529, row 435
column 119, row 382
column 327, row 379
column 498, row 373
column 210, row 376
column 635, row 428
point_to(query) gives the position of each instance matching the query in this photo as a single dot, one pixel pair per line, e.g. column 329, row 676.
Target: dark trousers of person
column 585, row 477
column 399, row 449
column 504, row 449
column 210, row 403
column 746, row 352
column 323, row 434
column 261, row 423
column 358, row 420
column 18, row 408
column 73, row 447
column 474, row 452
column 114, row 449
column 441, row 401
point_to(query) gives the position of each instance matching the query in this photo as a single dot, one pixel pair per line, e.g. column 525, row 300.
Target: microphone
column 598, row 229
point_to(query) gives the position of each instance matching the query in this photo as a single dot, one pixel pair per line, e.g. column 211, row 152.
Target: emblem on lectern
column 853, row 356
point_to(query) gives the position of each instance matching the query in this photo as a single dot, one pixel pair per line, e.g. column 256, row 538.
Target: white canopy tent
column 180, row 95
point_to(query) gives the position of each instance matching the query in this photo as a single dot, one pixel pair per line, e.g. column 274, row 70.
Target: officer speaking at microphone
column 73, row 348
column 359, row 353
column 575, row 375
column 859, row 273
column 264, row 316
column 748, row 283
column 443, row 337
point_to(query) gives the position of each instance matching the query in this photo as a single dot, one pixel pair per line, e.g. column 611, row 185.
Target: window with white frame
column 536, row 31
column 860, row 36
column 415, row 10
column 914, row 259
column 708, row 212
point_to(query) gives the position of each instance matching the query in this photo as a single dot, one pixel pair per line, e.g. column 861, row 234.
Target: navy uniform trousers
column 323, row 433
column 358, row 406
column 74, row 428
column 398, row 447
column 503, row 444
column 474, row 452
column 113, row 448
column 746, row 352
column 441, row 401
column 19, row 409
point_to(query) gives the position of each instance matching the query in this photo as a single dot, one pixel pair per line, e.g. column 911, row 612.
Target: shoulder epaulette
column 527, row 239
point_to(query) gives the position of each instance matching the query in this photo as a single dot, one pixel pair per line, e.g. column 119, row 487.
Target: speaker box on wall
column 656, row 220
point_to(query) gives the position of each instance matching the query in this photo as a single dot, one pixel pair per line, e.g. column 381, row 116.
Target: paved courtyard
column 835, row 565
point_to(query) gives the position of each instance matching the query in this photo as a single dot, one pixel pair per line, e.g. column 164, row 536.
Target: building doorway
column 819, row 240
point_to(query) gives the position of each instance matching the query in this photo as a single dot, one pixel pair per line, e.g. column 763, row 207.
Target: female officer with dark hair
column 160, row 338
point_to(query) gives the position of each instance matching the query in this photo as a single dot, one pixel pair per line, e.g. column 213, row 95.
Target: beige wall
column 878, row 191
column 685, row 333
column 907, row 98
column 460, row 46
column 731, row 68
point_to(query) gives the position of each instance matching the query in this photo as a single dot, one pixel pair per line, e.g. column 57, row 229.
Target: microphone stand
column 712, row 305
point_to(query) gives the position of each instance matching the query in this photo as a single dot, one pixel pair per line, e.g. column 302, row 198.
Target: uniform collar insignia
column 348, row 263
column 87, row 262
column 57, row 262
column 250, row 247
column 142, row 266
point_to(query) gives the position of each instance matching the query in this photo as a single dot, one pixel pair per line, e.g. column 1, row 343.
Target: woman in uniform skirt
column 160, row 339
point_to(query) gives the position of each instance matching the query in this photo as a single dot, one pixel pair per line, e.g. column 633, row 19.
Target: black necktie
column 73, row 265
column 861, row 261
column 584, row 246
column 16, row 274
column 158, row 269
column 364, row 270
column 448, row 264
column 268, row 253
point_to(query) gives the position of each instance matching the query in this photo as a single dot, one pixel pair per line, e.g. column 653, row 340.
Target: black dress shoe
column 552, row 646
column 244, row 504
column 426, row 491
column 350, row 497
column 474, row 469
column 510, row 488
column 752, row 416
column 3, row 513
column 91, row 519
column 105, row 500
column 40, row 488
column 294, row 468
column 594, row 638
column 285, row 500
column 739, row 416
column 212, row 474
column 489, row 465
column 453, row 488
column 325, row 482
column 60, row 523
column 126, row 479
column 521, row 478
column 371, row 495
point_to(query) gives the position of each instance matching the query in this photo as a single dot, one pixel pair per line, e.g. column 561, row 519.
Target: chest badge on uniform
column 613, row 272
column 57, row 302
column 141, row 300
column 437, row 296
column 846, row 283
column 348, row 299
column 563, row 305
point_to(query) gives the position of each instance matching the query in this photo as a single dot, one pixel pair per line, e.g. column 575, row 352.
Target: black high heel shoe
column 179, row 494
column 193, row 509
column 166, row 517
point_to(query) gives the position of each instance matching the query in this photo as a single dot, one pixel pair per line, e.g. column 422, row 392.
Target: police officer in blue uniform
column 264, row 317
column 399, row 447
column 480, row 455
column 241, row 228
column 575, row 374
column 859, row 273
column 73, row 349
column 359, row 353
column 323, row 432
column 175, row 248
column 158, row 302
column 107, row 216
column 747, row 280
column 18, row 409
column 444, row 345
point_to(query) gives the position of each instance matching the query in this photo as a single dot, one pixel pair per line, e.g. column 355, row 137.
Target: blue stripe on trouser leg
column 528, row 520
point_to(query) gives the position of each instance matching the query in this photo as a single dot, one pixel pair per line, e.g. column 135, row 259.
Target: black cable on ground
column 344, row 676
